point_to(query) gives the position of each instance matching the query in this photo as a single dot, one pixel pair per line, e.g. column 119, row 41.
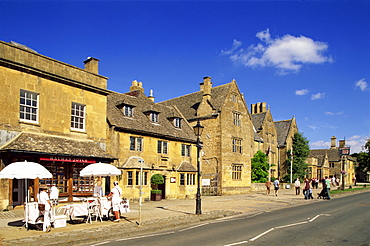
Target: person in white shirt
column 276, row 186
column 43, row 198
column 116, row 194
column 297, row 185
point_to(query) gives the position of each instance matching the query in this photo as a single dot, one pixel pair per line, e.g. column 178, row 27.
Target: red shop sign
column 67, row 159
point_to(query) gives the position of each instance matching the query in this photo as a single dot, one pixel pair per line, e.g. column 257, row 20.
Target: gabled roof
column 140, row 123
column 188, row 104
column 258, row 120
column 333, row 154
column 282, row 129
column 53, row 145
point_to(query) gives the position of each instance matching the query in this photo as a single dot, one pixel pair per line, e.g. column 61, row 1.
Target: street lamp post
column 198, row 129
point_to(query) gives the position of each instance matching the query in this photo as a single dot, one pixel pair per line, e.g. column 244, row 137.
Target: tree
column 363, row 158
column 260, row 167
column 301, row 150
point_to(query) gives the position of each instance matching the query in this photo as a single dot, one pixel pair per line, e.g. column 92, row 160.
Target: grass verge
column 347, row 190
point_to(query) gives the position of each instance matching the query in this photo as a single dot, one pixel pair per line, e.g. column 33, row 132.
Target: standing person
column 268, row 185
column 327, row 182
column 306, row 189
column 116, row 193
column 276, row 186
column 297, row 185
column 43, row 198
column 316, row 183
column 333, row 181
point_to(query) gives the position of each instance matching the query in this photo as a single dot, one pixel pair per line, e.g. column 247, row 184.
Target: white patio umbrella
column 99, row 169
column 25, row 170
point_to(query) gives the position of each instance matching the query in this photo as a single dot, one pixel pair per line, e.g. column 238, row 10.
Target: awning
column 54, row 145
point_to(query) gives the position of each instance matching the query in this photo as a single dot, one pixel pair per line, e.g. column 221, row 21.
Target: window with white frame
column 237, row 145
column 29, row 103
column 154, row 116
column 162, row 147
column 236, row 118
column 185, row 150
column 136, row 143
column 236, row 171
column 128, row 110
column 190, row 179
column 145, row 178
column 177, row 122
column 78, row 116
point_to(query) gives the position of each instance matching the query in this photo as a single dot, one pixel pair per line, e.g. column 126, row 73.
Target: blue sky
column 308, row 59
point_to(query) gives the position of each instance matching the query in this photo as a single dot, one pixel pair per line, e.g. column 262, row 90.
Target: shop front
column 64, row 158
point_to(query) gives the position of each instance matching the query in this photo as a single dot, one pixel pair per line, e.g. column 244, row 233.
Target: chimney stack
column 342, row 143
column 137, row 86
column 333, row 142
column 92, row 65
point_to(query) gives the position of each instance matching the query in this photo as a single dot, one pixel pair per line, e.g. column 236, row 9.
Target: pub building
column 63, row 157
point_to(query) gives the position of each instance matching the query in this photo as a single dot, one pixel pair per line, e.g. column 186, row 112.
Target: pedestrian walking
column 306, row 189
column 268, row 185
column 327, row 182
column 276, row 186
column 297, row 185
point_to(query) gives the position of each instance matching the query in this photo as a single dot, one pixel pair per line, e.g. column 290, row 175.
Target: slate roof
column 140, row 123
column 188, row 104
column 186, row 166
column 282, row 129
column 333, row 154
column 29, row 142
column 257, row 120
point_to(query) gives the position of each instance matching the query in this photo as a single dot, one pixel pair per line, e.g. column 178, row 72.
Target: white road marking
column 144, row 236
column 263, row 233
column 189, row 228
column 232, row 244
column 278, row 227
column 100, row 243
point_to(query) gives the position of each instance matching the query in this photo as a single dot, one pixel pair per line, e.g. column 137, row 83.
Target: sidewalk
column 155, row 216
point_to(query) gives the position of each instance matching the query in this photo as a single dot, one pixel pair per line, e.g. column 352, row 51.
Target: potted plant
column 155, row 194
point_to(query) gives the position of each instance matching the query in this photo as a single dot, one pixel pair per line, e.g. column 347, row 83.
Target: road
column 340, row 221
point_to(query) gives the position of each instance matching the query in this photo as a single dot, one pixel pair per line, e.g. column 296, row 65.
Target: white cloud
column 286, row 54
column 301, row 92
column 236, row 45
column 320, row 145
column 319, row 95
column 332, row 113
column 362, row 84
column 356, row 142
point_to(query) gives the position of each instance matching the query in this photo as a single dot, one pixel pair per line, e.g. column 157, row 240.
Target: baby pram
column 323, row 194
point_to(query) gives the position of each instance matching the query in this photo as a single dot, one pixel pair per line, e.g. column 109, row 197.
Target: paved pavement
column 154, row 216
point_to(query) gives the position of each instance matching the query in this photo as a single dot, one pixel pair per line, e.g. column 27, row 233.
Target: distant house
column 228, row 135
column 338, row 165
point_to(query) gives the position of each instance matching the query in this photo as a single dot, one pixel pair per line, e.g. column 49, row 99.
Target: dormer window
column 128, row 110
column 153, row 116
column 177, row 122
